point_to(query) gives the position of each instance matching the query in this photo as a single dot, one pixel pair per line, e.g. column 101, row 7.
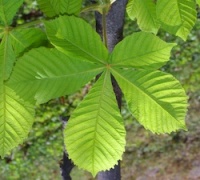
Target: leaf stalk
column 104, row 27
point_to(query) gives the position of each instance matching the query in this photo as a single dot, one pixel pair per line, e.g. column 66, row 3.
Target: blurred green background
column 148, row 156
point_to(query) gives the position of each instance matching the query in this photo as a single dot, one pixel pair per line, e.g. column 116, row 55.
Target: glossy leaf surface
column 24, row 39
column 16, row 119
column 53, row 8
column 145, row 13
column 7, row 56
column 177, row 16
column 141, row 50
column 8, row 9
column 95, row 134
column 156, row 99
column 43, row 74
column 74, row 36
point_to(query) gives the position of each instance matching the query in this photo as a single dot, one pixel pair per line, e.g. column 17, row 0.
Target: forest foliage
column 67, row 53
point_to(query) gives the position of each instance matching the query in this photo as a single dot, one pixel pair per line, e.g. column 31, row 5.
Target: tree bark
column 114, row 33
column 66, row 165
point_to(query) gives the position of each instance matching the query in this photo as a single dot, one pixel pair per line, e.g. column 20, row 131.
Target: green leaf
column 73, row 35
column 17, row 41
column 141, row 50
column 1, row 32
column 131, row 10
column 16, row 119
column 95, row 134
column 7, row 56
column 24, row 39
column 156, row 99
column 177, row 16
column 43, row 74
column 145, row 13
column 8, row 9
column 16, row 116
column 53, row 8
column 198, row 2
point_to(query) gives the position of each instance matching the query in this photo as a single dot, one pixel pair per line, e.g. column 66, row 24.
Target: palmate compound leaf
column 95, row 133
column 53, row 8
column 73, row 35
column 177, row 16
column 8, row 9
column 156, row 99
column 141, row 50
column 145, row 13
column 16, row 119
column 43, row 74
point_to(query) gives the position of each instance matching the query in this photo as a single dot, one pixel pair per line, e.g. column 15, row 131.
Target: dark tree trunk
column 114, row 33
column 114, row 23
column 66, row 164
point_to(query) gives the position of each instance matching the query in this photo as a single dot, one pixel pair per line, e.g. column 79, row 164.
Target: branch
column 66, row 165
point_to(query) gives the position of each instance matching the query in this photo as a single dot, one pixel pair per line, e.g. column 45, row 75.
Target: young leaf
column 156, row 99
column 177, row 16
column 95, row 134
column 43, row 74
column 16, row 119
column 145, row 13
column 141, row 50
column 23, row 39
column 7, row 56
column 53, row 8
column 73, row 35
column 8, row 9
